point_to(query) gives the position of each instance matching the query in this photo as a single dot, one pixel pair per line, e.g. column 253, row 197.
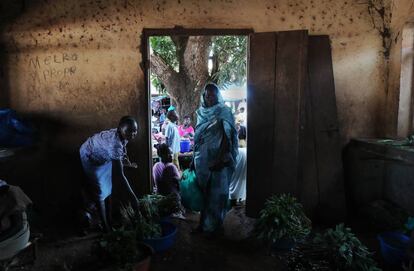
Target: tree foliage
column 164, row 47
column 228, row 56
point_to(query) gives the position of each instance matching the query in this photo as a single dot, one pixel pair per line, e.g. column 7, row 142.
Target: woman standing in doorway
column 215, row 151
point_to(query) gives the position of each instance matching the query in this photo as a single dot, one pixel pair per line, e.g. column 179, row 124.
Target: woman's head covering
column 219, row 97
column 204, row 113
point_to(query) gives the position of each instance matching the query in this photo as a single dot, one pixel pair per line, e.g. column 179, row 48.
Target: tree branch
column 196, row 60
column 163, row 71
column 180, row 43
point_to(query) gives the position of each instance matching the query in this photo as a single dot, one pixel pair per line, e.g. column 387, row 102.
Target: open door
column 325, row 128
column 276, row 86
column 294, row 143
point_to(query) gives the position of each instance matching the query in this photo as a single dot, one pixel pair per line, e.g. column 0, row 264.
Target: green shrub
column 282, row 217
column 119, row 247
column 344, row 250
column 146, row 222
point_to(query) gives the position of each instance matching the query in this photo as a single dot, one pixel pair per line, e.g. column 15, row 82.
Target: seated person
column 186, row 130
column 166, row 175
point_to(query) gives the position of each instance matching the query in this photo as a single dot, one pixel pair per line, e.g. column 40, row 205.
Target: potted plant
column 334, row 249
column 149, row 223
column 121, row 248
column 282, row 222
column 344, row 251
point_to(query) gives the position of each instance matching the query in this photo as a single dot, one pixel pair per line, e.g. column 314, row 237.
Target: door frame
column 145, row 66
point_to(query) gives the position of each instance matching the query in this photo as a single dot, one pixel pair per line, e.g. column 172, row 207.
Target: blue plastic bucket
column 169, row 231
column 185, row 146
column 393, row 247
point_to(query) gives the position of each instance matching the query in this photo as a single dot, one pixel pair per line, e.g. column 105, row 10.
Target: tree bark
column 185, row 86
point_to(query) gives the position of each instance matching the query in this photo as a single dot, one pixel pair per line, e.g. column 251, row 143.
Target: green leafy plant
column 144, row 227
column 164, row 47
column 282, row 217
column 120, row 247
column 156, row 206
column 229, row 59
column 146, row 222
column 344, row 250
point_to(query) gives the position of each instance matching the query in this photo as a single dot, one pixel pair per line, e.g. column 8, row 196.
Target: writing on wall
column 60, row 67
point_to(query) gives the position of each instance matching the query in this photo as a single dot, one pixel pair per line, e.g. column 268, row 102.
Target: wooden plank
column 291, row 66
column 326, row 130
column 181, row 31
column 260, row 97
column 140, row 149
column 308, row 189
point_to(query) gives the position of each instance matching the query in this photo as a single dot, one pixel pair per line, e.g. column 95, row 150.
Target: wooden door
column 276, row 84
column 331, row 205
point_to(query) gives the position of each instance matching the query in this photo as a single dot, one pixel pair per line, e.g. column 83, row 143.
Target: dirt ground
column 232, row 251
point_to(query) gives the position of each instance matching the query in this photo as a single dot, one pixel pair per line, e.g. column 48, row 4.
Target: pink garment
column 184, row 131
column 166, row 176
column 159, row 137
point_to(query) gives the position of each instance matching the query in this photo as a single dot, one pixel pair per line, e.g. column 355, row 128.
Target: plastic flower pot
column 393, row 247
column 169, row 231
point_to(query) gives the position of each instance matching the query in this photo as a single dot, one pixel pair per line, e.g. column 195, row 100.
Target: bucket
column 185, row 145
column 393, row 247
column 11, row 246
column 169, row 231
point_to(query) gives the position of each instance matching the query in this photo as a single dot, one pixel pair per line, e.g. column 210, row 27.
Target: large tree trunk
column 185, row 86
